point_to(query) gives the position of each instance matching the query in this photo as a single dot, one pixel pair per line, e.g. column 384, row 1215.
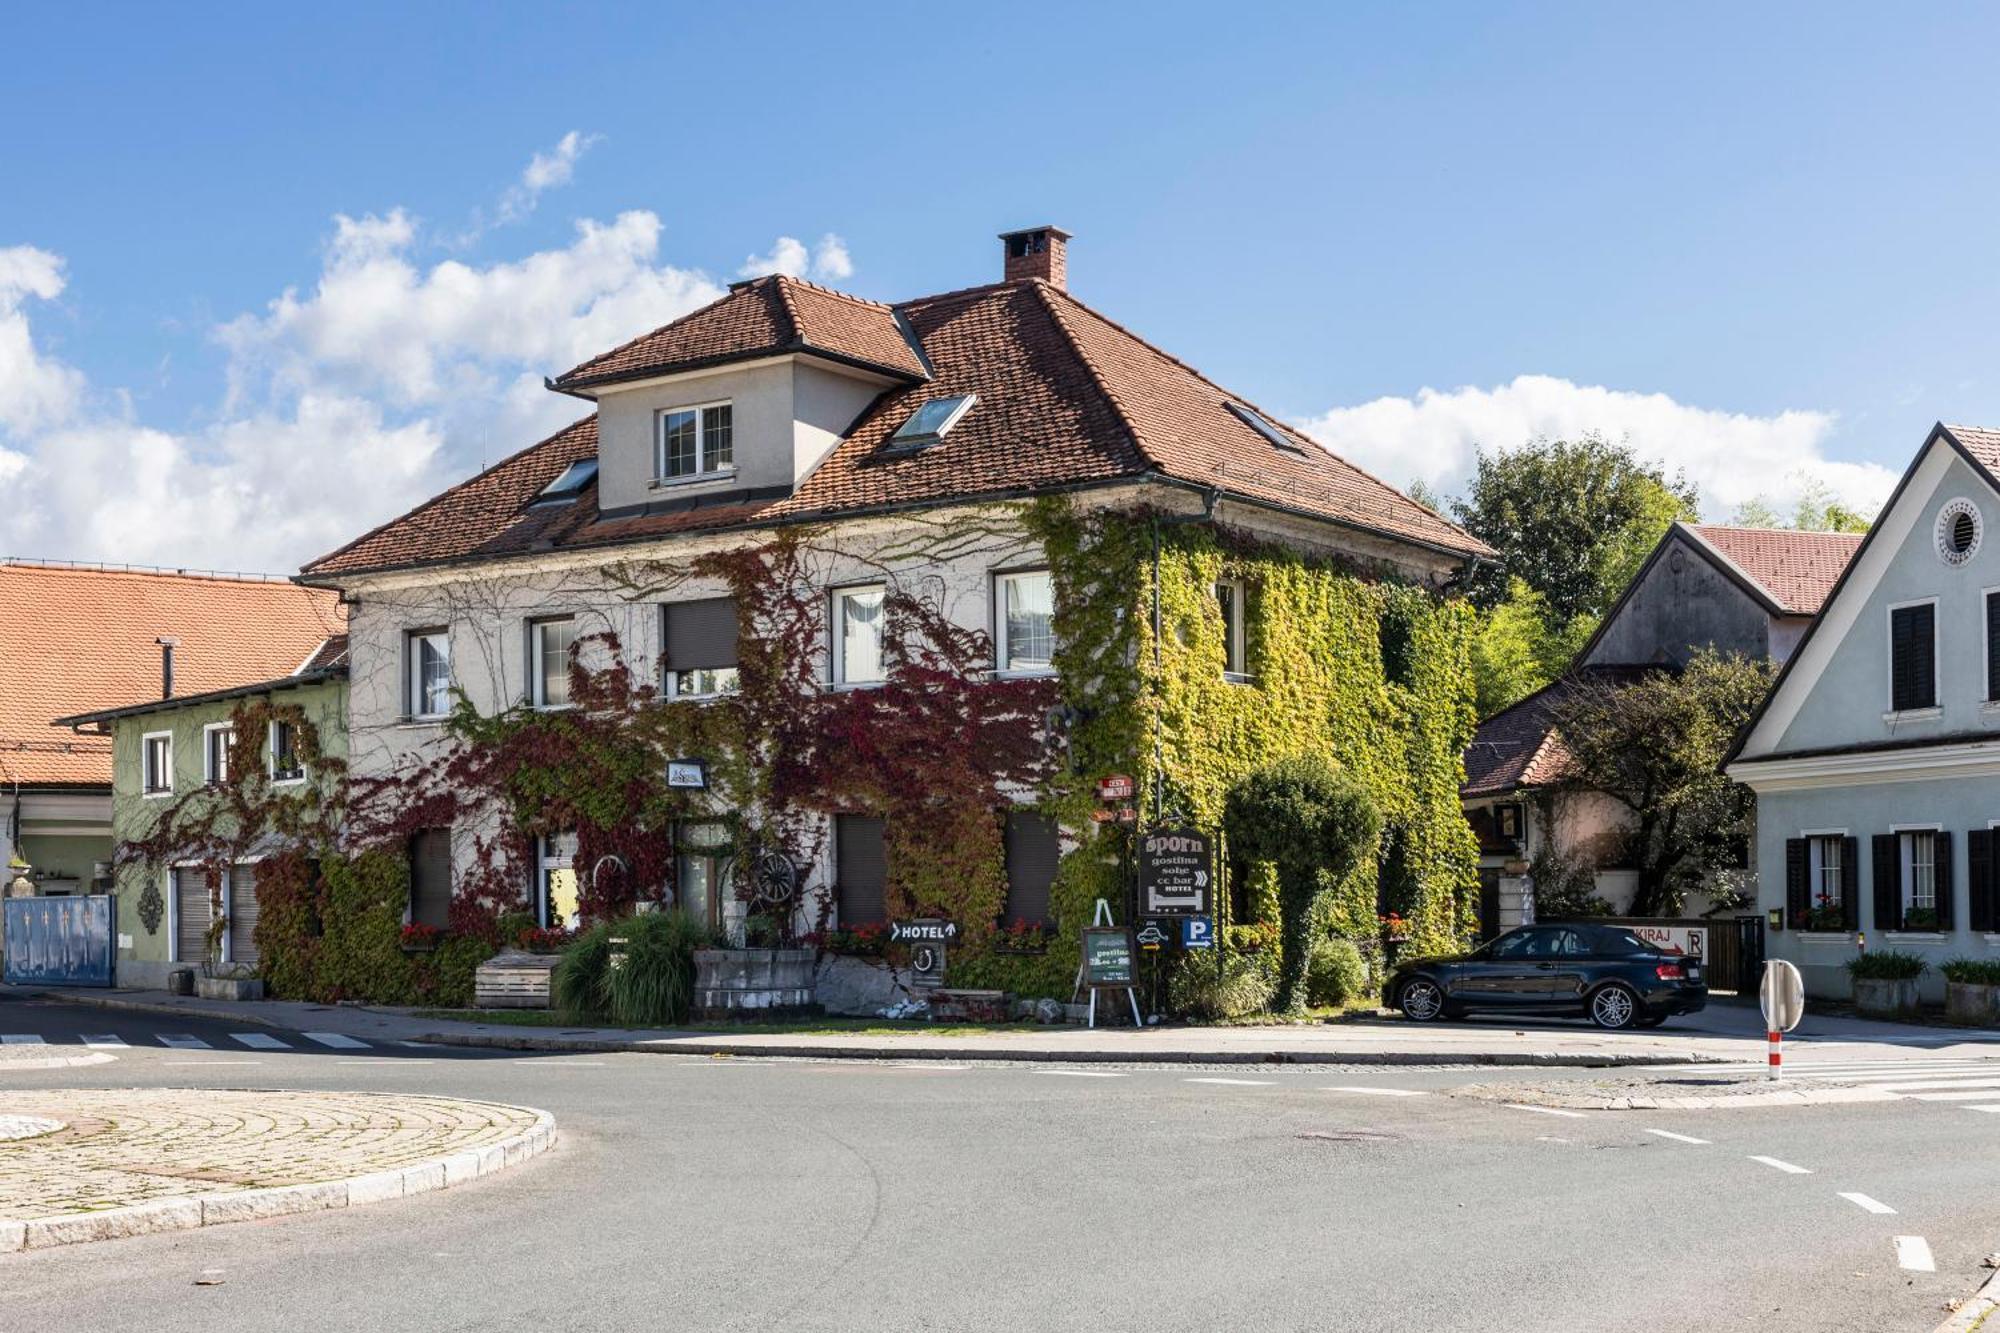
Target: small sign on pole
column 1197, row 932
column 1782, row 996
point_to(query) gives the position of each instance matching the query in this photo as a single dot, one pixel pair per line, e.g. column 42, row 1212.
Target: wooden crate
column 514, row 981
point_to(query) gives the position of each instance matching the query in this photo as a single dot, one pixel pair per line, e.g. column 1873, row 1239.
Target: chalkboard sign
column 1108, row 952
column 1176, row 872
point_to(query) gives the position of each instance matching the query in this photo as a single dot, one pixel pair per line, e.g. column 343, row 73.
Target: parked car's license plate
column 1694, row 974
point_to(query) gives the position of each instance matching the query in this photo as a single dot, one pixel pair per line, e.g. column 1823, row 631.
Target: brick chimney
column 1037, row 252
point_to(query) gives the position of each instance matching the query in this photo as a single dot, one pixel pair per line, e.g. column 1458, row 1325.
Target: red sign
column 1122, row 815
column 1114, row 787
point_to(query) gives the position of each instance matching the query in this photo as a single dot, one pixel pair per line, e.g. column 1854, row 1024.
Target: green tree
column 1313, row 824
column 1573, row 519
column 1519, row 647
column 1818, row 510
column 1656, row 747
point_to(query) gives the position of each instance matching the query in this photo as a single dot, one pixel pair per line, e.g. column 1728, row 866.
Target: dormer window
column 932, row 421
column 1256, row 421
column 696, row 442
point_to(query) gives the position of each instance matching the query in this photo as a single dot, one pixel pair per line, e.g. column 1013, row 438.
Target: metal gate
column 59, row 941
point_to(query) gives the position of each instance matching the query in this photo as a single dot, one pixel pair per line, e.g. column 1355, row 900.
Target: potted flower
column 544, row 939
column 1024, row 937
column 1826, row 913
column 1972, row 990
column 1885, row 982
column 420, row 938
column 1920, row 918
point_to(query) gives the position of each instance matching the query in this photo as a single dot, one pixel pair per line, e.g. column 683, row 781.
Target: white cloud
column 826, row 262
column 33, row 388
column 1731, row 457
column 544, row 172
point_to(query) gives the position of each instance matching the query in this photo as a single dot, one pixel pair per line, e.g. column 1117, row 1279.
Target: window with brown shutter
column 1032, row 851
column 1979, row 879
column 1993, row 646
column 1913, row 657
column 1888, row 885
column 860, row 870
column 430, row 878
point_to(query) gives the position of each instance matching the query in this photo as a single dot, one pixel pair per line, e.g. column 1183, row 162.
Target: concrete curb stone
column 1983, row 1303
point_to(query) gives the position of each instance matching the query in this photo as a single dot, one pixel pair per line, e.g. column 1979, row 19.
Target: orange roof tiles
column 1796, row 570
column 74, row 639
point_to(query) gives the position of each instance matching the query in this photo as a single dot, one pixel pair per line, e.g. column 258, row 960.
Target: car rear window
column 1613, row 940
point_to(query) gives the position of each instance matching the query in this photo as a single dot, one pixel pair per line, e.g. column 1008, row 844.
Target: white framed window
column 1235, row 660
column 1024, row 630
column 549, row 643
column 1826, row 873
column 556, row 902
column 216, row 738
column 1923, row 878
column 286, row 765
column 156, row 763
column 698, row 641
column 858, row 623
column 429, row 655
column 695, row 442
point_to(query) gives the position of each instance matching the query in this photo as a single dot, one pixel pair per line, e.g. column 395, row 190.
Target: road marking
column 1379, row 1092
column 261, row 1041
column 1990, row 1110
column 212, row 1062
column 1677, row 1138
column 109, row 1039
column 1233, row 1082
column 1914, row 1253
column 381, row 1060
column 927, row 1064
column 1786, row 1167
column 1962, row 1095
column 1543, row 1110
column 1931, row 1084
column 1080, row 1073
column 22, row 1039
column 551, row 1064
column 340, row 1041
column 1868, row 1205
column 182, row 1041
column 421, row 1045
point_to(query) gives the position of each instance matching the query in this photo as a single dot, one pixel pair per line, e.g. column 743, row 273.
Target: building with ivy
column 827, row 611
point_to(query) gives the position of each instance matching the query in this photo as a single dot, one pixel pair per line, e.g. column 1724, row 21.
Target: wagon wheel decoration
column 774, row 880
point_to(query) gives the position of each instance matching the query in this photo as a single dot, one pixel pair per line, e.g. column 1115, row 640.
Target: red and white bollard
column 1777, row 1040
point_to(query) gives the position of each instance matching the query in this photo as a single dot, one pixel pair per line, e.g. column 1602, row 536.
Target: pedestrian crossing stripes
column 260, row 1041
column 339, row 1041
column 1930, row 1077
column 182, row 1041
column 103, row 1041
column 21, row 1039
column 256, row 1041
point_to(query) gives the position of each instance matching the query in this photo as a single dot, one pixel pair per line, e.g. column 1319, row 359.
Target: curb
column 92, row 1000
column 217, row 1209
column 1969, row 1315
column 1416, row 1059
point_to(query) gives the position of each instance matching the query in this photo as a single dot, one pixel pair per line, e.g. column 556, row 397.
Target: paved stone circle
column 116, row 1162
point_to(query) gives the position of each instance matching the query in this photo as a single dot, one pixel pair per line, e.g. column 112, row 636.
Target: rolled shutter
column 1979, row 879
column 192, row 915
column 1888, row 883
column 430, row 878
column 243, row 915
column 861, row 870
column 1850, row 883
column 1032, row 851
column 1947, row 887
column 1798, row 893
column 701, row 634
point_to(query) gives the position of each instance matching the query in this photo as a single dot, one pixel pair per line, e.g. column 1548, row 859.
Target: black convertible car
column 1604, row 973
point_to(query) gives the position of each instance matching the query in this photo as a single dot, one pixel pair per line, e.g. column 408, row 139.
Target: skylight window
column 1255, row 421
column 573, row 479
column 932, row 421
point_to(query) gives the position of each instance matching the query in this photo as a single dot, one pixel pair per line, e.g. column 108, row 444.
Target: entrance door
column 192, row 915
column 1489, row 902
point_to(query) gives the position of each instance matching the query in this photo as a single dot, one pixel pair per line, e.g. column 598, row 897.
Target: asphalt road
column 691, row 1193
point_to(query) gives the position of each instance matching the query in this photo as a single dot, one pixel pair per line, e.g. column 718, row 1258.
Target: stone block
column 138, row 1219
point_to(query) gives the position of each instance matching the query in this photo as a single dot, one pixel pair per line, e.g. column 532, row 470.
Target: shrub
column 1337, row 974
column 1971, row 971
column 652, row 987
column 1244, row 984
column 1886, row 965
column 1313, row 823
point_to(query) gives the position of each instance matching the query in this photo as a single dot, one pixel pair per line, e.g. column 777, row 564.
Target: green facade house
column 174, row 756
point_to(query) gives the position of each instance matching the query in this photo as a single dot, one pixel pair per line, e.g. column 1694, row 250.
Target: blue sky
column 1758, row 241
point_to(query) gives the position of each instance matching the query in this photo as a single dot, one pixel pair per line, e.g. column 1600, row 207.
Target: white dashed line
column 1786, row 1167
column 1962, row 1095
column 1543, row 1110
column 1233, row 1082
column 104, row 1039
column 182, row 1041
column 22, row 1039
column 231, row 1063
column 552, row 1064
column 1080, row 1073
column 1990, row 1110
column 381, row 1060
column 1379, row 1092
column 260, row 1041
column 340, row 1041
column 1868, row 1205
column 928, row 1064
column 1677, row 1138
column 1914, row 1253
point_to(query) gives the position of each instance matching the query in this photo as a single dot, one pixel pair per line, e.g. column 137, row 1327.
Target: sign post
column 1110, row 962
column 1782, row 995
column 1176, row 872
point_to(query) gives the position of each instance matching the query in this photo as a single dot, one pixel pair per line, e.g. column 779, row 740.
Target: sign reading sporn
column 1176, row 872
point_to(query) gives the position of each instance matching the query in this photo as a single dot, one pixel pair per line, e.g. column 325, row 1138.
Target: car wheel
column 1421, row 1001
column 1614, row 1006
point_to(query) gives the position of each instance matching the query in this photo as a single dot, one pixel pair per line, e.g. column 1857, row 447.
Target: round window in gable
column 1959, row 531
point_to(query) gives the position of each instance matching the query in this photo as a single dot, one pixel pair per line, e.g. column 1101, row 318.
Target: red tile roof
column 1519, row 748
column 1065, row 398
column 74, row 639
column 1796, row 570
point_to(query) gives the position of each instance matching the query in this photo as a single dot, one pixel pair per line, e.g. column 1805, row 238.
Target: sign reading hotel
column 1176, row 872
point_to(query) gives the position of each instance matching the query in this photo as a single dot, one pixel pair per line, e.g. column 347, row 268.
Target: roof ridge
column 1754, row 527
column 52, row 566
column 789, row 311
column 823, row 289
column 1097, row 377
column 960, row 293
column 450, row 490
column 573, row 371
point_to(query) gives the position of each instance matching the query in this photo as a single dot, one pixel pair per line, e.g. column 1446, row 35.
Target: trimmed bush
column 1243, row 985
column 1887, row 965
column 652, row 987
column 1971, row 971
column 1337, row 976
column 1313, row 824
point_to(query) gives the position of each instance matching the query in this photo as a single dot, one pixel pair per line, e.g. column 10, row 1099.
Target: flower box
column 1880, row 997
column 1972, row 1003
column 759, row 983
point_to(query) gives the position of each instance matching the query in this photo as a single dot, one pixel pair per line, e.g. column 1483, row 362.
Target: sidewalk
column 1728, row 1030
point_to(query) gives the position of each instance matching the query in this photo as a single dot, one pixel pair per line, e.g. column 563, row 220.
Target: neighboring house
column 174, row 756
column 1750, row 591
column 1876, row 756
column 78, row 637
column 906, row 438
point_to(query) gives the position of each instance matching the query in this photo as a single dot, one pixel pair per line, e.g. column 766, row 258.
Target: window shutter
column 430, row 878
column 1947, row 889
column 1798, row 894
column 861, row 869
column 1888, row 883
column 1979, row 879
column 1850, row 883
column 1912, row 657
column 701, row 635
column 1993, row 645
column 1032, row 851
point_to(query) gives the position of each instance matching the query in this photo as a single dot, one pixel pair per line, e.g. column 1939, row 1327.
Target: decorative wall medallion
column 151, row 907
